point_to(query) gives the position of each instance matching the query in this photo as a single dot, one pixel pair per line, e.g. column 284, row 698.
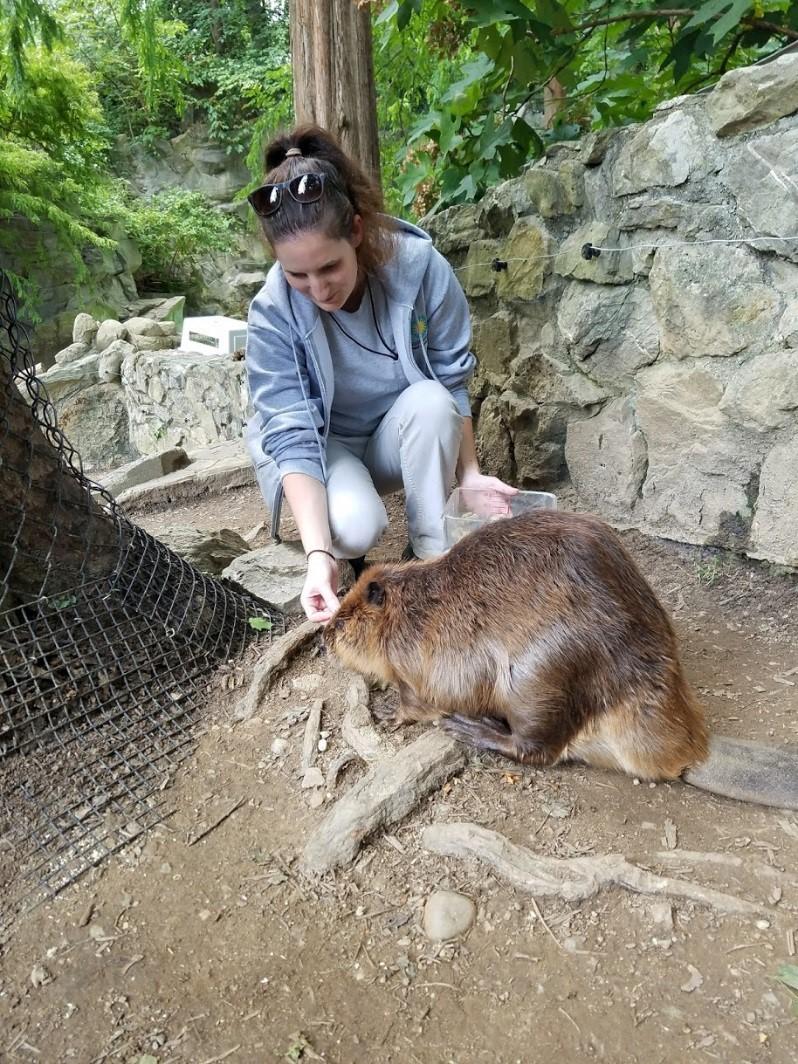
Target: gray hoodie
column 290, row 368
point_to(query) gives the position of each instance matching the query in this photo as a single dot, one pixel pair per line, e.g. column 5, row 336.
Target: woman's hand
column 486, row 495
column 319, row 597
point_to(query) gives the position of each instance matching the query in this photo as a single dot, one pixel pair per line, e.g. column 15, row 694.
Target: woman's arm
column 307, row 498
column 469, row 476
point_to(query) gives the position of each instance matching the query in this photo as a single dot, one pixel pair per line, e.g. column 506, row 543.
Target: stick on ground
column 574, row 878
column 389, row 791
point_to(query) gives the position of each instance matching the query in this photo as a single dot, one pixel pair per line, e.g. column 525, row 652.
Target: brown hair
column 353, row 193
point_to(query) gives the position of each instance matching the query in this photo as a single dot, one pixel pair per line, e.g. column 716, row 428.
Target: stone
column 763, row 177
column 210, row 470
column 153, row 343
column 107, row 332
column 660, row 213
column 210, row 551
column 448, row 915
column 788, row 326
column 607, row 459
column 68, row 378
column 494, row 445
column 763, row 394
column 754, row 96
column 275, row 573
column 701, row 469
column 143, row 326
column 95, row 421
column 611, row 267
column 84, row 329
column 476, row 276
column 502, row 205
column 665, row 152
column 712, row 301
column 538, row 439
column 526, row 252
column 182, row 399
column 109, row 368
column 774, row 530
column 72, row 353
column 454, row 229
column 142, row 470
column 553, row 193
column 609, row 332
column 172, row 309
column 494, row 344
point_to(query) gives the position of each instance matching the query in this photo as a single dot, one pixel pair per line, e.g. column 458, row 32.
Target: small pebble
column 312, row 778
column 447, row 914
column 322, row 745
column 40, row 976
column 763, row 925
column 279, row 747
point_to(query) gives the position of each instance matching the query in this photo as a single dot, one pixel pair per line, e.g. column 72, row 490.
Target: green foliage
column 600, row 62
column 173, row 230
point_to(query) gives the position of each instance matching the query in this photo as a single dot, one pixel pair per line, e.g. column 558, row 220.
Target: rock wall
column 125, row 389
column 660, row 379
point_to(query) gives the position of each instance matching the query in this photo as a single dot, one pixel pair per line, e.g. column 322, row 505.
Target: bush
column 173, row 230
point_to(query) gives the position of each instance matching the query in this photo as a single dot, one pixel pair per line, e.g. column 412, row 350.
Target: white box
column 213, row 334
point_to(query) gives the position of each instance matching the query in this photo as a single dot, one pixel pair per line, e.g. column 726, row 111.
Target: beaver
column 537, row 637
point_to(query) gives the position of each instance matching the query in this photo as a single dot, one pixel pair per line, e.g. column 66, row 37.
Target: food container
column 469, row 508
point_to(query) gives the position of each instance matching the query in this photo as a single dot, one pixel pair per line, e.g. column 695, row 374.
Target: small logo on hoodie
column 418, row 333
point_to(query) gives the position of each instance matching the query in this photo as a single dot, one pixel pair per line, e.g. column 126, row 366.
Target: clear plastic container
column 469, row 508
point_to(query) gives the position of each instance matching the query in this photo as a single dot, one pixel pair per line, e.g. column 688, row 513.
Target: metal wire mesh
column 107, row 643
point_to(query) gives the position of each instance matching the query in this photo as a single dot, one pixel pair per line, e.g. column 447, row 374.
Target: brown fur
column 535, row 637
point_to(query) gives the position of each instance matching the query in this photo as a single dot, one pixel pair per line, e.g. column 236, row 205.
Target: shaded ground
column 218, row 950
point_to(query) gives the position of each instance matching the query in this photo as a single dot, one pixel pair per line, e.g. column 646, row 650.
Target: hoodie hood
column 402, row 277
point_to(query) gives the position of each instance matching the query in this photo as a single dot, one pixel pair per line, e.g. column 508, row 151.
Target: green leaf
column 788, row 975
column 473, row 72
column 259, row 624
column 554, row 14
column 730, row 20
column 387, row 12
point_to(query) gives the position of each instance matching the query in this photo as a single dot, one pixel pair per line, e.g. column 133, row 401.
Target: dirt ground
column 220, row 950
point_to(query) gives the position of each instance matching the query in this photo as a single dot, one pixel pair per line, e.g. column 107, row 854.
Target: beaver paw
column 485, row 733
column 385, row 713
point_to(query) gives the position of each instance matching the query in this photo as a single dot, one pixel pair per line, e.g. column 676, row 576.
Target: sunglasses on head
column 306, row 188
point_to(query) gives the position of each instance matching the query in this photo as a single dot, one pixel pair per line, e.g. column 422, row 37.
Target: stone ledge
column 214, row 469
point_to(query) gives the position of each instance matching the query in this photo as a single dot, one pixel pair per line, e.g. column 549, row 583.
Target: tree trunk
column 333, row 74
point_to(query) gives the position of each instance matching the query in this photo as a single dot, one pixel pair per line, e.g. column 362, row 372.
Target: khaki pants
column 415, row 448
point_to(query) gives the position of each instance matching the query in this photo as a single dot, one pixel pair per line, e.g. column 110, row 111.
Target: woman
column 358, row 362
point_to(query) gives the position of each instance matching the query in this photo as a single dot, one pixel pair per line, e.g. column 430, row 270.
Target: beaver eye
column 339, row 624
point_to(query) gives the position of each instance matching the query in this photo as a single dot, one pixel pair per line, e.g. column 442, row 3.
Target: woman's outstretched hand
column 486, row 495
column 319, row 596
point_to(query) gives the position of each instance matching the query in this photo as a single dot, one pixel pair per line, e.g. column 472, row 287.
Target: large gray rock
column 700, row 466
column 95, row 421
column 68, row 378
column 788, row 326
column 84, row 329
column 275, row 573
column 109, row 368
column 763, row 394
column 476, row 276
column 109, row 331
column 72, row 353
column 607, row 459
column 665, row 152
column 494, row 344
column 611, row 332
column 454, row 229
column 180, row 399
column 712, row 301
column 143, row 326
column 527, row 253
column 209, row 551
column 143, row 470
column 611, row 267
column 773, row 531
column 754, row 96
column 763, row 176
column 494, row 445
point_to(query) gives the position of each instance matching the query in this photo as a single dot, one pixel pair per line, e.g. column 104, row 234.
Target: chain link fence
column 107, row 644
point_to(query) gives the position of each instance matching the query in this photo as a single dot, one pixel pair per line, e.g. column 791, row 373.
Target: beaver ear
column 375, row 593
